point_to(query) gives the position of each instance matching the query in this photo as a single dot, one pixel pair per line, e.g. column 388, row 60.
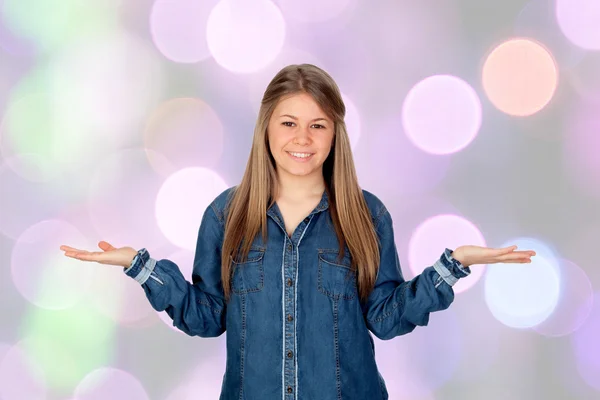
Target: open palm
column 471, row 255
column 109, row 254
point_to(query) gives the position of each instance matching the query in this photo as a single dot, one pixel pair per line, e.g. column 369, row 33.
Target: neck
column 298, row 188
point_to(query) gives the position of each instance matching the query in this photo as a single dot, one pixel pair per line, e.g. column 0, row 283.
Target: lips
column 300, row 159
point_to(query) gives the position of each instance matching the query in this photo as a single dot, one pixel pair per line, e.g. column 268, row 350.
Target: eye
column 319, row 126
column 287, row 123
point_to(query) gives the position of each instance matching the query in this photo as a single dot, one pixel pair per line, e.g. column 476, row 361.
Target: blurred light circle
column 187, row 131
column 178, row 28
column 587, row 347
column 110, row 383
column 441, row 114
column 574, row 304
column 41, row 272
column 437, row 233
column 20, row 376
column 52, row 340
column 537, row 20
column 520, row 77
column 121, row 197
column 110, row 98
column 523, row 295
column 182, row 201
column 578, row 20
column 245, row 36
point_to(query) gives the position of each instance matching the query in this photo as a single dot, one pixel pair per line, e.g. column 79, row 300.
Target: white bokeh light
column 245, row 36
column 181, row 203
column 523, row 295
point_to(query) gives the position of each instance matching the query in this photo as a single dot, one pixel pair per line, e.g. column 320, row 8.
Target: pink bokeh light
column 441, row 114
column 578, row 20
column 181, row 202
column 435, row 234
column 245, row 36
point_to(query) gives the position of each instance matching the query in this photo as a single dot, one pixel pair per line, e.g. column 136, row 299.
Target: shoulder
column 221, row 202
column 376, row 206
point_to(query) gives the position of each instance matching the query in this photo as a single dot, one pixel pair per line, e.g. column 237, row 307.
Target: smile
column 300, row 156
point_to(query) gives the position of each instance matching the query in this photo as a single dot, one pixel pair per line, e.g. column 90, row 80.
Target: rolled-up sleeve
column 197, row 308
column 395, row 306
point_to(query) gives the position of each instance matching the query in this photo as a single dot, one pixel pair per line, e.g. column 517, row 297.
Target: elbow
column 386, row 331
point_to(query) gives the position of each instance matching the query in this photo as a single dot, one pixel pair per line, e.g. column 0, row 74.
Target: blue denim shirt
column 296, row 328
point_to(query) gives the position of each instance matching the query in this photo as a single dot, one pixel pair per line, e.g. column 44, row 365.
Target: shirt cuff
column 141, row 266
column 450, row 269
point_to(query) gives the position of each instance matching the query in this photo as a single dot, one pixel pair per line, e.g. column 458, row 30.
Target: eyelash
column 289, row 122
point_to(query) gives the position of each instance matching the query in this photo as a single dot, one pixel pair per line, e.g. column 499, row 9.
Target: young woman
column 298, row 264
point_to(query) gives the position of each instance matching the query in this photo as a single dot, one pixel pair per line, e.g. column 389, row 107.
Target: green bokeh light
column 68, row 344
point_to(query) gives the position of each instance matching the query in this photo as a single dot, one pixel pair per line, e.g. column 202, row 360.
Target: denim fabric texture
column 296, row 328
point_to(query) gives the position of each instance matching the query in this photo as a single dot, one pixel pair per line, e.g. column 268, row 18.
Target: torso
column 294, row 212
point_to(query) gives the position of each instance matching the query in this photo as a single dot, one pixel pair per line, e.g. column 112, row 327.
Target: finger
column 84, row 255
column 519, row 261
column 513, row 257
column 507, row 250
column 69, row 248
column 106, row 246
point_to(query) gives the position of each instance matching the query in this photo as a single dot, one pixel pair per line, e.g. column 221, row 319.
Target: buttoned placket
column 289, row 298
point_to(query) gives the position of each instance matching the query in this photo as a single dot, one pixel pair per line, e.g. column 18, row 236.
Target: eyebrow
column 296, row 118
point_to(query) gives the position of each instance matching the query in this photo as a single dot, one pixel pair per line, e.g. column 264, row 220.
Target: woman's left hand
column 470, row 255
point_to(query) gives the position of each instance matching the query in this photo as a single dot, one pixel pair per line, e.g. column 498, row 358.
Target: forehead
column 299, row 105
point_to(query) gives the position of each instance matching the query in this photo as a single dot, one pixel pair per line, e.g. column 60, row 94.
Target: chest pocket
column 336, row 278
column 249, row 276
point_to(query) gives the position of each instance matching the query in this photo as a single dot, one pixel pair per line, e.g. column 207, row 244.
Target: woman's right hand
column 110, row 255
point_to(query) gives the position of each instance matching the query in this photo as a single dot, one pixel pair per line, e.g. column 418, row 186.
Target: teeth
column 301, row 155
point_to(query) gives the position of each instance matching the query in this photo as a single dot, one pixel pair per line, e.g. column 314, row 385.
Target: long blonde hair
column 247, row 210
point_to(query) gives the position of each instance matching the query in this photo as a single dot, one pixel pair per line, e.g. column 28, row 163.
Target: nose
column 302, row 136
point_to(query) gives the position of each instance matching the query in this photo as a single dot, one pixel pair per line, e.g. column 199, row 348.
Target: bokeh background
column 476, row 122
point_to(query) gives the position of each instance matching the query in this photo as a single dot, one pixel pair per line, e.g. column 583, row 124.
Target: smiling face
column 300, row 136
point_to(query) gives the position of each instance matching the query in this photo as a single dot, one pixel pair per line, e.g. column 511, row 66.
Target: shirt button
column 289, row 389
column 290, row 318
column 290, row 354
column 289, row 282
column 289, row 247
column 306, row 220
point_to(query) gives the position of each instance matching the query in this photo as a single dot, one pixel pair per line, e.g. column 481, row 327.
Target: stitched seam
column 338, row 381
column 283, row 314
column 242, row 343
column 379, row 214
column 206, row 303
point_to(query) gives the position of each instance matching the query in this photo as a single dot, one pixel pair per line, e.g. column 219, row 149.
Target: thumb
column 106, row 246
